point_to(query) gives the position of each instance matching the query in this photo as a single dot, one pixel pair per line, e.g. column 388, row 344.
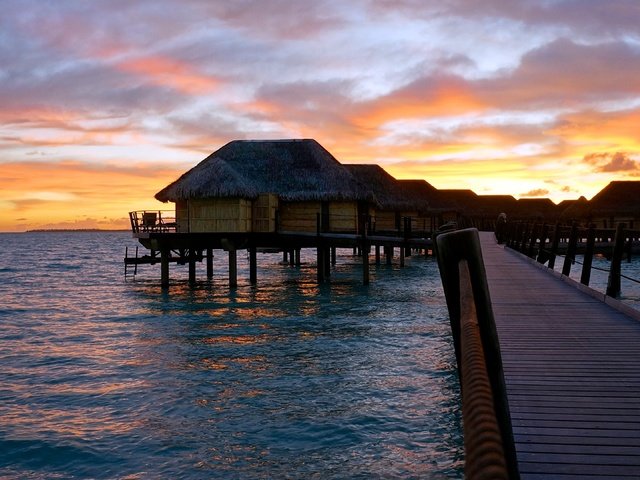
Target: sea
column 107, row 376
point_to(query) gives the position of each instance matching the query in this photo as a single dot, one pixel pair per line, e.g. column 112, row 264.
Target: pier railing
column 488, row 437
column 164, row 221
column 161, row 221
column 545, row 243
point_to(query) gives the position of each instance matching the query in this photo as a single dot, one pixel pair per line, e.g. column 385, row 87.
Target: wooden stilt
column 327, row 262
column 402, row 251
column 209, row 263
column 292, row 260
column 284, row 256
column 192, row 266
column 320, row 263
column 233, row 269
column 365, row 265
column 389, row 254
column 333, row 255
column 297, row 257
column 377, row 254
column 164, row 267
column 253, row 267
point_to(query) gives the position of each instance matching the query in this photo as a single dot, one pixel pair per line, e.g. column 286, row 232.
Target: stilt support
column 192, row 266
column 164, row 267
column 209, row 263
column 253, row 267
column 233, row 269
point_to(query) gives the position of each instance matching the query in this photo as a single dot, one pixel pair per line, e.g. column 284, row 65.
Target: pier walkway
column 572, row 372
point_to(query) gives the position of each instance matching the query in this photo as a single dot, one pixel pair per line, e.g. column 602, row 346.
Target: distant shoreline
column 82, row 230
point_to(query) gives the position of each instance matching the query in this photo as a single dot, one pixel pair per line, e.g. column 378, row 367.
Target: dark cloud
column 538, row 192
column 612, row 162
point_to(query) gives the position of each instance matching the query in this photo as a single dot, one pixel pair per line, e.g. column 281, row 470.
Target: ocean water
column 107, row 377
column 629, row 283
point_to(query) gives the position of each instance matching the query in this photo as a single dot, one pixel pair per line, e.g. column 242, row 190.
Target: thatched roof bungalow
column 394, row 201
column 249, row 184
column 618, row 202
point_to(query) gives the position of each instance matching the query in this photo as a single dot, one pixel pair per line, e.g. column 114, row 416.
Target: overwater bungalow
column 268, row 186
column 537, row 210
column 618, row 202
column 395, row 204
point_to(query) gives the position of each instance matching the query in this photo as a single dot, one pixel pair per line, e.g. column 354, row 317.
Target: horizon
column 530, row 99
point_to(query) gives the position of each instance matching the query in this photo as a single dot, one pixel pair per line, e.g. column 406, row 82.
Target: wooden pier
column 571, row 367
column 166, row 247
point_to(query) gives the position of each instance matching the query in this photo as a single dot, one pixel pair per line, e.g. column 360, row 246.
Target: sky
column 104, row 102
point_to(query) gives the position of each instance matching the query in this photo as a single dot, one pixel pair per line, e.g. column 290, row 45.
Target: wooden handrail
column 489, row 445
column 617, row 242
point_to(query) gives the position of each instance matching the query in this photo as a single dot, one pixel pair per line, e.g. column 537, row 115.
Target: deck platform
column 572, row 371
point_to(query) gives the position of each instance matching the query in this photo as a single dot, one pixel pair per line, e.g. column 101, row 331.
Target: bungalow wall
column 343, row 216
column 214, row 215
column 264, row 213
column 298, row 216
column 302, row 216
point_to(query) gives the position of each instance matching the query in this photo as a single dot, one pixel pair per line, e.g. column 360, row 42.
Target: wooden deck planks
column 572, row 369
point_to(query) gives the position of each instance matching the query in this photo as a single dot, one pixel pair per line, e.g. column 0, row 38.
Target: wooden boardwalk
column 572, row 370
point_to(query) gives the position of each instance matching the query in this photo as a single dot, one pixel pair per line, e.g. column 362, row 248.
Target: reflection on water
column 104, row 378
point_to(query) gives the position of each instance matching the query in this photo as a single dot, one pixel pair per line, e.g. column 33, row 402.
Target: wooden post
column 388, row 251
column 209, row 263
column 613, row 285
column 327, row 262
column 542, row 254
column 407, row 235
column 292, row 259
column 284, row 256
column 533, row 237
column 333, row 255
column 377, row 254
column 164, row 267
column 320, row 263
column 365, row 263
column 523, row 238
column 588, row 256
column 253, row 266
column 401, row 257
column 192, row 266
column 554, row 246
column 297, row 253
column 233, row 268
column 570, row 257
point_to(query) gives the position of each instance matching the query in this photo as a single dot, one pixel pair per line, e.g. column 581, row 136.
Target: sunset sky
column 104, row 102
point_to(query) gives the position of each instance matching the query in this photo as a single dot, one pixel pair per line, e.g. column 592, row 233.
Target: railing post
column 588, row 256
column 533, row 238
column 543, row 243
column 570, row 257
column 452, row 248
column 554, row 246
column 613, row 285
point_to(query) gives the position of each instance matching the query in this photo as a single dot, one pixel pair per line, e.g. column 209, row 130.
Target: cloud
column 538, row 192
column 613, row 162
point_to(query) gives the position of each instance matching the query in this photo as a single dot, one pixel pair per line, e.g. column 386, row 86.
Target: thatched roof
column 619, row 197
column 387, row 190
column 577, row 209
column 458, row 200
column 295, row 170
column 540, row 208
column 493, row 205
column 425, row 194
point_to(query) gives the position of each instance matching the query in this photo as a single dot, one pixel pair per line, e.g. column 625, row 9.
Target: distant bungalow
column 268, row 186
column 618, row 202
column 394, row 202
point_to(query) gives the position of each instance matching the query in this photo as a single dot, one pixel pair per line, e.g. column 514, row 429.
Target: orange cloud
column 168, row 72
column 36, row 194
column 447, row 96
